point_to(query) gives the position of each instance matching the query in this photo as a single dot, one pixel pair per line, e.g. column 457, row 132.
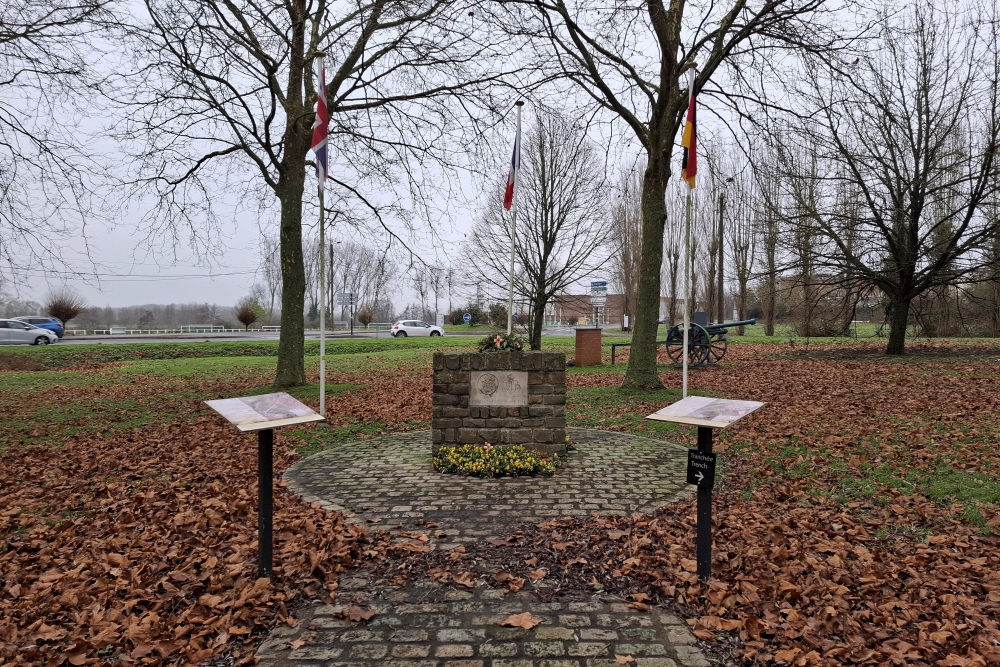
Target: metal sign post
column 706, row 413
column 348, row 299
column 264, row 414
column 265, row 501
column 598, row 298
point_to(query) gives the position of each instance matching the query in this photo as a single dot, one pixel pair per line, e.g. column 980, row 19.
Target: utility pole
column 720, row 299
column 720, row 309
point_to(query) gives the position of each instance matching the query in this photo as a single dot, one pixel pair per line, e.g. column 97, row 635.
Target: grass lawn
column 109, row 450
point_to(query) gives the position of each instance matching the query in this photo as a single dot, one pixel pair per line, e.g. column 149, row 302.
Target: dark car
column 44, row 322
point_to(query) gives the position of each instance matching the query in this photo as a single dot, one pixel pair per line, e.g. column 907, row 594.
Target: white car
column 405, row 328
column 14, row 332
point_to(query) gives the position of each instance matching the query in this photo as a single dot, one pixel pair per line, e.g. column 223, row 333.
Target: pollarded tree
column 914, row 130
column 221, row 98
column 629, row 59
column 561, row 226
column 64, row 305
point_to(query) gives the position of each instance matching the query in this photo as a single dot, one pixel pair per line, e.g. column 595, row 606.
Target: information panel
column 256, row 413
column 706, row 411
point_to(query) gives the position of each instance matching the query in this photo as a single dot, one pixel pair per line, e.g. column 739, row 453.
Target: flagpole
column 322, row 270
column 322, row 305
column 687, row 295
column 513, row 224
column 692, row 74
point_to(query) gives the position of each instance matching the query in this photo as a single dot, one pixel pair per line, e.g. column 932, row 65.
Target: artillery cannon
column 707, row 343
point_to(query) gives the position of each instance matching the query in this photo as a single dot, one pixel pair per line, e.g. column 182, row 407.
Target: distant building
column 568, row 309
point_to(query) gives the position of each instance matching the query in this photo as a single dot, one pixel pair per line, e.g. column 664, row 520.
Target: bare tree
column 223, row 94
column 629, row 58
column 47, row 53
column 436, row 282
column 560, row 225
column 626, row 239
column 64, row 305
column 768, row 232
column 742, row 246
column 270, row 269
column 420, row 285
column 366, row 271
column 914, row 128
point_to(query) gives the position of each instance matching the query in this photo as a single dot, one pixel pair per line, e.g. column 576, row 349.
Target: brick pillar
column 588, row 347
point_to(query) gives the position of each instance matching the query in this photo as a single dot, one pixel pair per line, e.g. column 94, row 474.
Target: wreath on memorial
column 490, row 461
column 501, row 342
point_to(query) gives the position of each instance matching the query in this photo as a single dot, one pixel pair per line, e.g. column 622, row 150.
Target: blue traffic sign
column 467, row 317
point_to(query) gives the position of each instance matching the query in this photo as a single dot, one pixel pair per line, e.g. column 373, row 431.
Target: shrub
column 501, row 342
column 474, row 311
column 366, row 315
column 498, row 314
column 573, row 320
column 490, row 461
column 248, row 310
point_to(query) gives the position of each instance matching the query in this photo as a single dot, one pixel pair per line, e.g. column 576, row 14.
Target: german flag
column 689, row 140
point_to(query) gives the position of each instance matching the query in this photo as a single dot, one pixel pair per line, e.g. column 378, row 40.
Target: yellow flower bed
column 490, row 461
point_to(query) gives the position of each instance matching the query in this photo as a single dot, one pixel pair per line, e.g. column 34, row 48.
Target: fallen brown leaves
column 142, row 548
column 802, row 577
column 524, row 620
column 139, row 546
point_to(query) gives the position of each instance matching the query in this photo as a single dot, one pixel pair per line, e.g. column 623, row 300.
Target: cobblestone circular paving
column 389, row 481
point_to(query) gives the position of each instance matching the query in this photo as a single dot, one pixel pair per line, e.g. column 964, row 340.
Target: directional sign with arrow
column 701, row 468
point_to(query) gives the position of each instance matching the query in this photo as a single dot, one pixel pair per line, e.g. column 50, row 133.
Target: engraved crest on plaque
column 499, row 388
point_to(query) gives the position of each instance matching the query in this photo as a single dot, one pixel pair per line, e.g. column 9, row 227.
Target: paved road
column 207, row 337
column 249, row 336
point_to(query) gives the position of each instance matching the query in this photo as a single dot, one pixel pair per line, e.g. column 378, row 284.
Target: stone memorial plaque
column 498, row 388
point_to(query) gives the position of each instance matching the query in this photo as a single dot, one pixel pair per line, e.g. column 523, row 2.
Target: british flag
column 321, row 124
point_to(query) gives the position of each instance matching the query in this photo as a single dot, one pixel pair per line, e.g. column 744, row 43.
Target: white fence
column 209, row 328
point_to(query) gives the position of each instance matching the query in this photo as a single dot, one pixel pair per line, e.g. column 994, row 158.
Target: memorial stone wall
column 501, row 398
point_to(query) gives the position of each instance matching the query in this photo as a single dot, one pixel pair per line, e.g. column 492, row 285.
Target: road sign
column 599, row 283
column 347, row 299
column 598, row 300
column 701, row 468
column 467, row 317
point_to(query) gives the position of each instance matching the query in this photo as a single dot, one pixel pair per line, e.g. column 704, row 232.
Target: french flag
column 515, row 166
column 321, row 124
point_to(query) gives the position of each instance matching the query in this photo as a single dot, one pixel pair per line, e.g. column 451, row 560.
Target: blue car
column 44, row 322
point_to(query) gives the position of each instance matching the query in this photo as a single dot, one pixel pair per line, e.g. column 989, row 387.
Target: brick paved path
column 391, row 479
column 426, row 624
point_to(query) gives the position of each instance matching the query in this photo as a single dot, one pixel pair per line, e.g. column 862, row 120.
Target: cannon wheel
column 717, row 344
column 699, row 345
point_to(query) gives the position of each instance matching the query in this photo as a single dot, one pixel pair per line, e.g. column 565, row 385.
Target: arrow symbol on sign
column 700, row 477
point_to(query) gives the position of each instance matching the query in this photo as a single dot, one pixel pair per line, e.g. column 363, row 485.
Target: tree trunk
column 899, row 315
column 291, row 345
column 538, row 317
column 641, row 372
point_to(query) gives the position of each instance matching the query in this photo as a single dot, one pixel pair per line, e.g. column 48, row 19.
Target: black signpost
column 263, row 414
column 265, row 501
column 705, row 413
column 701, row 462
